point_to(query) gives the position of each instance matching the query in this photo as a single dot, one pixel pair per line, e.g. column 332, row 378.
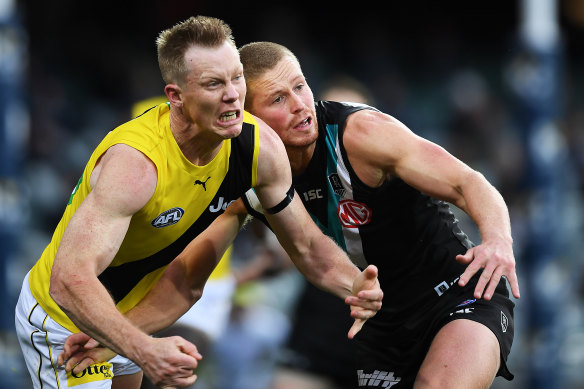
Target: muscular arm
column 317, row 256
column 122, row 183
column 181, row 285
column 90, row 242
column 379, row 147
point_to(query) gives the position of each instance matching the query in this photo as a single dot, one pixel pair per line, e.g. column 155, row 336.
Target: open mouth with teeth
column 303, row 124
column 228, row 116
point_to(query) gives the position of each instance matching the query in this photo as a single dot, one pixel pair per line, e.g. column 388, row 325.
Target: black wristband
column 282, row 204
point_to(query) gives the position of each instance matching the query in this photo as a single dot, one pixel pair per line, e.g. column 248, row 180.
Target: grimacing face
column 214, row 90
column 282, row 98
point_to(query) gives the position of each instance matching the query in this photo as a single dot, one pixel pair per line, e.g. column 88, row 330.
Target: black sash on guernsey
column 120, row 280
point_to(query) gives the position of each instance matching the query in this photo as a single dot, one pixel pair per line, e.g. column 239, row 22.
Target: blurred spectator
column 244, row 356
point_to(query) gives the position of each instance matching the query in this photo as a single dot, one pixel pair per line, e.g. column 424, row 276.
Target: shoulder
column 272, row 157
column 269, row 140
column 367, row 124
column 127, row 174
column 377, row 140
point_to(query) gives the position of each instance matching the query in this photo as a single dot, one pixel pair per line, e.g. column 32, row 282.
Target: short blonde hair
column 173, row 43
column 258, row 58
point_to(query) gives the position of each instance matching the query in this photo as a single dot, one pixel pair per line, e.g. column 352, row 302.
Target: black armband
column 282, row 204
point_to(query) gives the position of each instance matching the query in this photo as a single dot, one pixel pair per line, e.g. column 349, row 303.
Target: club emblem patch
column 336, row 184
column 353, row 214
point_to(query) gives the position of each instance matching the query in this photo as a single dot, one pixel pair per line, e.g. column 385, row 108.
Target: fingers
column 179, row 382
column 73, row 361
column 190, row 349
column 494, row 266
column 365, row 297
column 75, row 343
column 67, row 352
column 512, row 279
column 465, row 258
column 355, row 328
column 487, row 282
column 77, row 368
column 78, row 362
column 171, row 362
column 373, row 304
column 366, row 287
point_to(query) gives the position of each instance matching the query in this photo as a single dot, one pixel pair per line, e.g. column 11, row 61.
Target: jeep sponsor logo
column 97, row 372
column 222, row 204
column 169, row 217
column 353, row 214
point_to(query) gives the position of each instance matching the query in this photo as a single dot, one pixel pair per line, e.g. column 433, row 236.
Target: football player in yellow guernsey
column 205, row 321
column 149, row 188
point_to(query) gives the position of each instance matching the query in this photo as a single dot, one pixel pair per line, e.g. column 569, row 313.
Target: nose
column 231, row 92
column 297, row 104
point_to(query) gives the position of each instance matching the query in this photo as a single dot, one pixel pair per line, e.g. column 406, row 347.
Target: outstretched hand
column 365, row 300
column 497, row 260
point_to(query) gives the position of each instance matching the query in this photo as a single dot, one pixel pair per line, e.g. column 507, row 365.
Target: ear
column 173, row 92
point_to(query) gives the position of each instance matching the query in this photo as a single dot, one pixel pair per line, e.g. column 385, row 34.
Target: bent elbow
column 196, row 295
column 57, row 291
column 61, row 288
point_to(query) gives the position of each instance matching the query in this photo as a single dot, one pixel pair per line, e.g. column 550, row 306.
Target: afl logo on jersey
column 168, row 217
column 353, row 214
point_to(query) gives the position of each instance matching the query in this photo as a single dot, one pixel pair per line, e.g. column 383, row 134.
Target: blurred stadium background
column 500, row 84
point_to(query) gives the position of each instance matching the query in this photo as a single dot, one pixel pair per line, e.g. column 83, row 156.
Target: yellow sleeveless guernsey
column 223, row 268
column 186, row 200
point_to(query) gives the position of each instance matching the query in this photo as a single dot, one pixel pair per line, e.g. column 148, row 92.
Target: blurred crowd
column 460, row 94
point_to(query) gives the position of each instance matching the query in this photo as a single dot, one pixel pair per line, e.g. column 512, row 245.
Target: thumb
column 465, row 258
column 370, row 276
column 366, row 280
column 91, row 343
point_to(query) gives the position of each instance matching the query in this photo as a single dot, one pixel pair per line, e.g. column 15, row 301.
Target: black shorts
column 390, row 354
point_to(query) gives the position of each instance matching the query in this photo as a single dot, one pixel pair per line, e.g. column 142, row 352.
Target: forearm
column 328, row 267
column 182, row 283
column 487, row 208
column 316, row 256
column 88, row 304
column 167, row 301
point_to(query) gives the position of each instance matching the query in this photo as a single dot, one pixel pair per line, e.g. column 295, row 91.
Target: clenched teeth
column 227, row 116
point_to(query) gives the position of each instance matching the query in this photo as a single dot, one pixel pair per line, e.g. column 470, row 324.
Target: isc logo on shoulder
column 169, row 217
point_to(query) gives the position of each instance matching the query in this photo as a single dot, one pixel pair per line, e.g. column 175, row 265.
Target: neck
column 300, row 157
column 199, row 147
